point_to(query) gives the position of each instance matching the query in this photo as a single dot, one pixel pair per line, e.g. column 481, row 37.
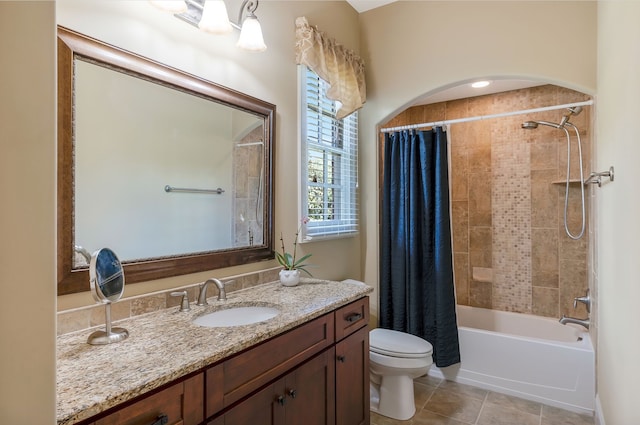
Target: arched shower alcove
column 511, row 251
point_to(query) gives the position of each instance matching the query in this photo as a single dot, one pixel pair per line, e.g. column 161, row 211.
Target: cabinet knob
column 341, row 359
column 281, row 400
column 292, row 393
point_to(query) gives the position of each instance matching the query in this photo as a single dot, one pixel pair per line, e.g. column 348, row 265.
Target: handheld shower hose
column 562, row 126
column 566, row 192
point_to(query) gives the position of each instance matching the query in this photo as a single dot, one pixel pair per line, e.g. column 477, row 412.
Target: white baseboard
column 599, row 419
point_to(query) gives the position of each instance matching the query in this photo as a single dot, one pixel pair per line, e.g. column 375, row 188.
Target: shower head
column 575, row 110
column 534, row 124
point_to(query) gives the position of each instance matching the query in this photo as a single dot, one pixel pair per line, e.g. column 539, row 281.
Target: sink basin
column 236, row 316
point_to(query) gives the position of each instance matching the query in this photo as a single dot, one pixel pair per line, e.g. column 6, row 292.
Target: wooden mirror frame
column 72, row 44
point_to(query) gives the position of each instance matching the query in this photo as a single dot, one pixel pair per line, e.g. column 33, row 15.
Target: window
column 329, row 163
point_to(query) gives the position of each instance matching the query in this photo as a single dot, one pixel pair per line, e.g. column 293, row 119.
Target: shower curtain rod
column 484, row 117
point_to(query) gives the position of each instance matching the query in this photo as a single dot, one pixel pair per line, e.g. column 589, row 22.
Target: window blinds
column 329, row 175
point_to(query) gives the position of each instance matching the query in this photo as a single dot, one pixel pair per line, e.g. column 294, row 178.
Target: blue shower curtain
column 416, row 268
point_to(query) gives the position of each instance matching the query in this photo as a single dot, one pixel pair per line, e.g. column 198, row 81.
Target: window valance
column 340, row 67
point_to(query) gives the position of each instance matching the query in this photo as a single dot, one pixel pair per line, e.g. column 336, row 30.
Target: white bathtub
column 530, row 357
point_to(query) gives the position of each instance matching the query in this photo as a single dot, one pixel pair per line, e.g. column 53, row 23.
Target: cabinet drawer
column 255, row 367
column 352, row 317
column 181, row 403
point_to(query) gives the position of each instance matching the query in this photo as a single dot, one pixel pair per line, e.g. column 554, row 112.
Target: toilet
column 396, row 359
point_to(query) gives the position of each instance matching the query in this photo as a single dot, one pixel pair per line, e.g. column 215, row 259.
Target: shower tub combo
column 530, row 357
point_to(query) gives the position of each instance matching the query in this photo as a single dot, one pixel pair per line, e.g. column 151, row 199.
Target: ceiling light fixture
column 480, row 84
column 211, row 16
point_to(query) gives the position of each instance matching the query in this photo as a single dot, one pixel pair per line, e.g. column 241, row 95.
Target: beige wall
column 271, row 76
column 511, row 251
column 416, row 48
column 618, row 211
column 27, row 213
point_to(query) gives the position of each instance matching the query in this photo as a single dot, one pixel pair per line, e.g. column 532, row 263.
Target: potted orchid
column 290, row 274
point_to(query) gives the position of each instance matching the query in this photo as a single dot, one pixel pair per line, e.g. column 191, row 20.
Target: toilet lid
column 398, row 344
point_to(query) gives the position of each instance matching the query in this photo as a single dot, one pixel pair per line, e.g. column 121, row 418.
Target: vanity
column 309, row 364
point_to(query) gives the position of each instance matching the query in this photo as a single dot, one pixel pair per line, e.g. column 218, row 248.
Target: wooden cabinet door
column 352, row 379
column 310, row 392
column 266, row 407
column 305, row 396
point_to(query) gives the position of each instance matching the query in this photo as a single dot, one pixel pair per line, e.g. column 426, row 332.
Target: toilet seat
column 392, row 343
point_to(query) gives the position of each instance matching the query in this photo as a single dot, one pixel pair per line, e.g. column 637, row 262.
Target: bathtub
column 530, row 357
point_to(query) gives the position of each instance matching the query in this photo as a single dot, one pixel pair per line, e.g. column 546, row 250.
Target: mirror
column 106, row 276
column 107, row 286
column 172, row 171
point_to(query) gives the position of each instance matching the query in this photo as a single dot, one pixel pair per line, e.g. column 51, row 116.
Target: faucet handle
column 184, row 304
column 586, row 300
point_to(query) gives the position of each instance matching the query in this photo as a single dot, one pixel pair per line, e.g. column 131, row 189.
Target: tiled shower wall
column 247, row 190
column 507, row 191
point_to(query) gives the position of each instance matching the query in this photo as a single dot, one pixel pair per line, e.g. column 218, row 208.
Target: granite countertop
column 165, row 345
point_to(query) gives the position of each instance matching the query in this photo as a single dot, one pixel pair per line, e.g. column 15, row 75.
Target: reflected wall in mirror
column 152, row 160
column 172, row 171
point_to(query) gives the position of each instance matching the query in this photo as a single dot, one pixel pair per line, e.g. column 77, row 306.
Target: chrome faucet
column 582, row 322
column 586, row 300
column 202, row 297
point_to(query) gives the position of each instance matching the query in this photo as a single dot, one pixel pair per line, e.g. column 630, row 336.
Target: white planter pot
column 289, row 277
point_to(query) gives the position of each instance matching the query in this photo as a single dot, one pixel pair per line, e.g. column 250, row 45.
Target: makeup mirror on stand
column 107, row 285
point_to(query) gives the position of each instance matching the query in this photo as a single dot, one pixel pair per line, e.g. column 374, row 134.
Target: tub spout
column 582, row 322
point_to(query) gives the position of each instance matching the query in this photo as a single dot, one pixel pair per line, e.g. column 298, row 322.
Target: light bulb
column 480, row 84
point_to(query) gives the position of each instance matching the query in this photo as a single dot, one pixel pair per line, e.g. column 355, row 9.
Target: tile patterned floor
column 440, row 402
